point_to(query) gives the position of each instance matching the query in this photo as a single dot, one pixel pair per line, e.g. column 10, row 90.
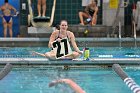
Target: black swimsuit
column 91, row 12
column 61, row 37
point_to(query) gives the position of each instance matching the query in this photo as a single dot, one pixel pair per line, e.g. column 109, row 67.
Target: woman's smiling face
column 63, row 25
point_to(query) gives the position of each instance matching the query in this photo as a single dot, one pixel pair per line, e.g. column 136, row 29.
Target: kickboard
column 41, row 19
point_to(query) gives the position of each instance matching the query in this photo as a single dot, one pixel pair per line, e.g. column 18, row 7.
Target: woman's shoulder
column 55, row 33
column 69, row 32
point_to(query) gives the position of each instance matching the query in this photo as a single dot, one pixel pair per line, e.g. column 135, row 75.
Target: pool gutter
column 95, row 61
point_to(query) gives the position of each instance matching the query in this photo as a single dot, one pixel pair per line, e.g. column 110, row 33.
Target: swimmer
column 43, row 4
column 66, row 36
column 71, row 83
column 7, row 17
column 90, row 13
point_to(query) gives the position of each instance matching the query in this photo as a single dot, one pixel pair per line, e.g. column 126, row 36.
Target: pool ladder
column 134, row 32
column 117, row 18
column 117, row 14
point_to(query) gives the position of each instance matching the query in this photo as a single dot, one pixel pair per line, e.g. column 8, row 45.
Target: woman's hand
column 80, row 52
column 16, row 14
column 59, row 39
column 93, row 21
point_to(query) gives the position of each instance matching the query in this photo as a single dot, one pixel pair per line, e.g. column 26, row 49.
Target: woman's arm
column 73, row 42
column 87, row 9
column 94, row 17
column 71, row 83
column 52, row 38
column 95, row 13
column 14, row 9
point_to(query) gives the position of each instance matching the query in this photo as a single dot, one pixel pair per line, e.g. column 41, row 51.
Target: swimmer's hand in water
column 53, row 83
column 71, row 83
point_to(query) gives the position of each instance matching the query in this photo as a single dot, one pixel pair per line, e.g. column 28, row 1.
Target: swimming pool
column 27, row 79
column 95, row 52
column 98, row 55
column 35, row 78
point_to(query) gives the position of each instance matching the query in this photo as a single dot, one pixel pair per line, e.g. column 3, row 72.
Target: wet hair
column 57, row 27
column 6, row 1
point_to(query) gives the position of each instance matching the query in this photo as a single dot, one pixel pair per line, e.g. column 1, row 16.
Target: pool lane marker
column 128, row 81
column 5, row 70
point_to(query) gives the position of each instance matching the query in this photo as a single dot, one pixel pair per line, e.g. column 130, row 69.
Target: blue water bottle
column 86, row 54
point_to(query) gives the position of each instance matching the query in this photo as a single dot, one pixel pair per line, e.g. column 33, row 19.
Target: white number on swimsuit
column 61, row 48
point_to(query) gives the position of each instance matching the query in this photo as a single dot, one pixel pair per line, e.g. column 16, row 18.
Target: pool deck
column 95, row 61
column 78, row 39
column 91, row 42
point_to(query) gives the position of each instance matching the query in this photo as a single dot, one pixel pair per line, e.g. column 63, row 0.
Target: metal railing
column 120, row 30
column 117, row 21
column 134, row 29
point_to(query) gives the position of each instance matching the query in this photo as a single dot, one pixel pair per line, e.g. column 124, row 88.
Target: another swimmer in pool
column 59, row 42
column 71, row 83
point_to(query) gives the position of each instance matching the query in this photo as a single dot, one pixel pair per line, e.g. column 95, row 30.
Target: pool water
column 92, row 80
column 134, row 72
column 95, row 52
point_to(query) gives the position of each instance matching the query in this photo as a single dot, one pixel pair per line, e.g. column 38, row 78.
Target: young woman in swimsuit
column 43, row 4
column 90, row 12
column 57, row 36
column 7, row 17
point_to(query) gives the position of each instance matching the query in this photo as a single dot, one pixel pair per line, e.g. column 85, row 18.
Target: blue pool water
column 95, row 52
column 134, row 73
column 92, row 80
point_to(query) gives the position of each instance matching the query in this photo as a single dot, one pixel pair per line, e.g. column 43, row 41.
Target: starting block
column 41, row 19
